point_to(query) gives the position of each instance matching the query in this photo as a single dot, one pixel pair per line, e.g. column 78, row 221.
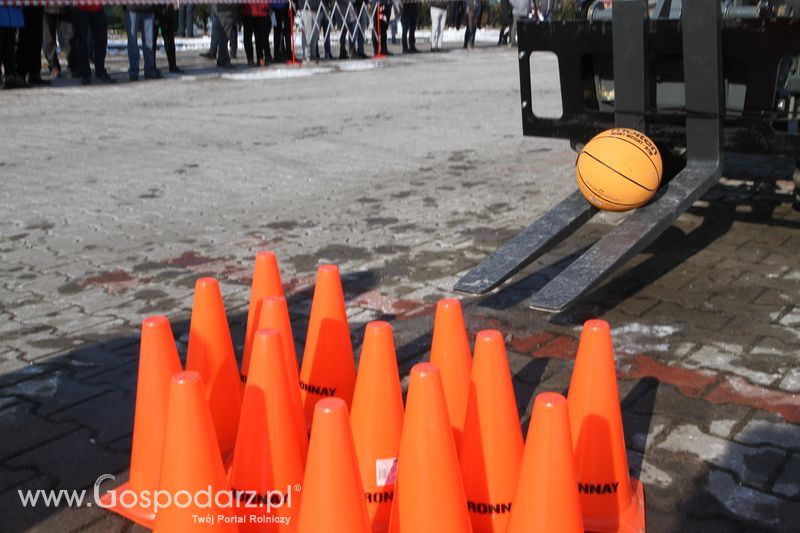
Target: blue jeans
column 186, row 20
column 140, row 21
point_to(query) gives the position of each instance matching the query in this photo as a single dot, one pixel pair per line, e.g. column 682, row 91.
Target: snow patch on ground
column 635, row 338
column 276, row 74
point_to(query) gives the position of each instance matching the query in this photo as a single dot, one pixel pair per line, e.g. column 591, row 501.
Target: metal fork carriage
column 698, row 86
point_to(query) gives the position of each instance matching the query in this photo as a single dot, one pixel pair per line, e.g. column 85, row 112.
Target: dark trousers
column 455, row 11
column 8, row 39
column 474, row 12
column 29, row 53
column 226, row 21
column 257, row 27
column 409, row 18
column 281, row 36
column 94, row 22
column 186, row 20
column 58, row 27
column 165, row 21
column 381, row 22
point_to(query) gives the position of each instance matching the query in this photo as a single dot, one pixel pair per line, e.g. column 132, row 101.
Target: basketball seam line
column 640, row 149
column 601, row 196
column 616, row 171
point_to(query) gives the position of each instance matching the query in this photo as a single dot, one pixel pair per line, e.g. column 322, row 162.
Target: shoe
column 251, row 63
column 86, row 81
column 362, row 55
column 132, row 77
column 208, row 55
column 328, row 56
column 55, row 72
column 262, row 63
column 105, row 78
column 176, row 70
column 233, row 55
column 226, row 66
column 342, row 54
column 413, row 50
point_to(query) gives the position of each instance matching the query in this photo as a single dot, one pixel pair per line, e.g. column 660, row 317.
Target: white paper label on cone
column 385, row 471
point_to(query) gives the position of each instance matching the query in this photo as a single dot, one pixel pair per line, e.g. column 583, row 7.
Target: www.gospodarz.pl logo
column 267, row 506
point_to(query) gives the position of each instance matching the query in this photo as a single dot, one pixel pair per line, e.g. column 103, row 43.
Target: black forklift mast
column 639, row 47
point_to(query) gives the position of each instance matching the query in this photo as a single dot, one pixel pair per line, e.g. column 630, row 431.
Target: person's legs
column 437, row 22
column 225, row 22
column 49, row 41
column 469, row 32
column 247, row 27
column 81, row 21
column 8, row 43
column 260, row 31
column 168, row 34
column 189, row 20
column 99, row 28
column 442, row 24
column 29, row 54
column 233, row 37
column 412, row 27
column 212, row 50
column 147, row 20
column 67, row 31
column 182, row 20
column 131, row 28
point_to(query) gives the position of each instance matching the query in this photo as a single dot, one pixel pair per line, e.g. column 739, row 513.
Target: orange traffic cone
column 333, row 497
column 429, row 494
column 450, row 352
column 329, row 368
column 610, row 499
column 491, row 446
column 377, row 419
column 194, row 494
column 546, row 498
column 268, row 459
column 266, row 282
column 275, row 315
column 158, row 361
column 210, row 353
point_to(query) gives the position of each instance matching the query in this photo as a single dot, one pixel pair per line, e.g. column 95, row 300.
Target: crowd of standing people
column 30, row 33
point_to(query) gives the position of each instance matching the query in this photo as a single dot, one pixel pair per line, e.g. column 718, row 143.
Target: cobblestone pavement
column 115, row 199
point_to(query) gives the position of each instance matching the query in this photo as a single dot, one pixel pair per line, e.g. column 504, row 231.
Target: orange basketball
column 619, row 169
